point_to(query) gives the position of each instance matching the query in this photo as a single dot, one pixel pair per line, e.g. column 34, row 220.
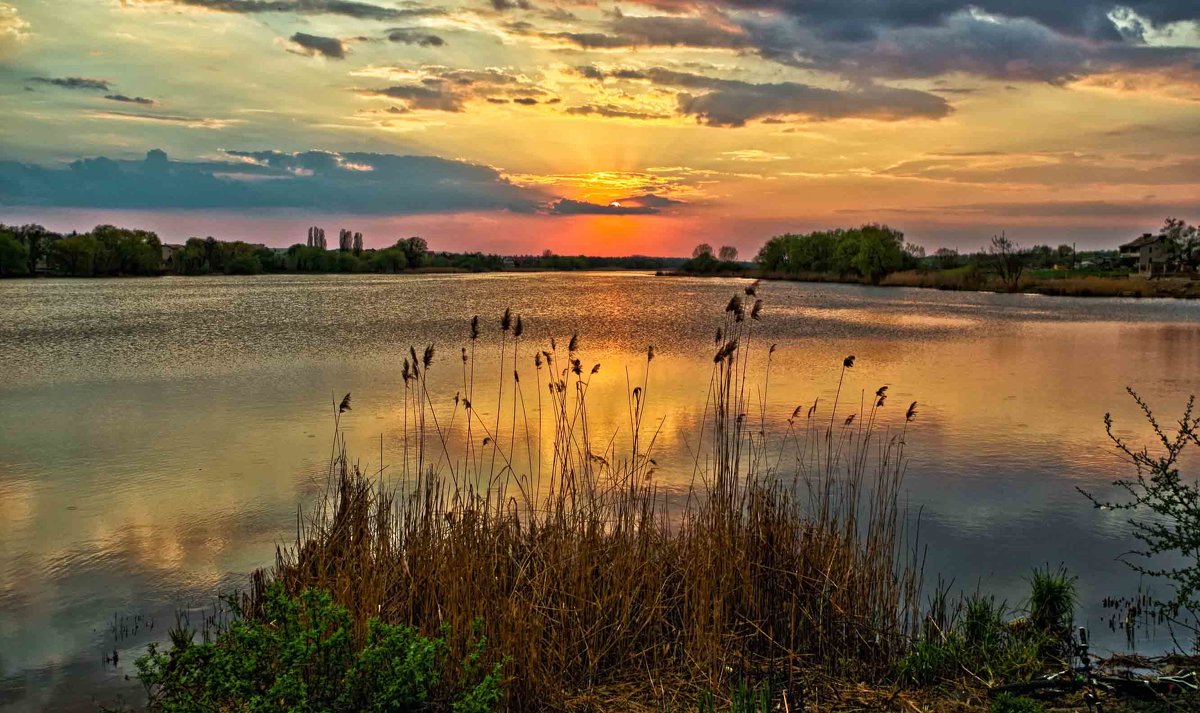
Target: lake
column 157, row 435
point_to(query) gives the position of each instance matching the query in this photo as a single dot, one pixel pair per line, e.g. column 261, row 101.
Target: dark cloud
column 314, row 45
column 651, row 200
column 502, row 5
column 658, row 31
column 130, row 100
column 430, row 98
column 858, row 20
column 314, row 180
column 566, row 206
column 866, row 40
column 444, row 89
column 731, row 103
column 102, row 85
column 613, row 111
column 679, row 31
column 411, row 36
column 347, row 8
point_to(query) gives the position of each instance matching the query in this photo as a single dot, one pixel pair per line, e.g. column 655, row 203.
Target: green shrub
column 300, row 656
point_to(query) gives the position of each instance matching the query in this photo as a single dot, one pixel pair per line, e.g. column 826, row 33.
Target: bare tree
column 702, row 249
column 1009, row 260
column 727, row 253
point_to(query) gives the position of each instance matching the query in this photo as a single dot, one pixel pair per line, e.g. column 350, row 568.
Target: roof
column 1146, row 239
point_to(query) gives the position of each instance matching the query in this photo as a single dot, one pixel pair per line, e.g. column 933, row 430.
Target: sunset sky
column 602, row 127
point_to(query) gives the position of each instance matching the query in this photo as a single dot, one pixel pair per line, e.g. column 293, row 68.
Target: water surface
column 157, row 435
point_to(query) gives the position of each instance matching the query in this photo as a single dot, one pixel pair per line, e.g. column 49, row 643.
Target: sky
column 606, row 128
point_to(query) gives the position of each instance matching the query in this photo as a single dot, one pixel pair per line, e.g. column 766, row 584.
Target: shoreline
column 1079, row 286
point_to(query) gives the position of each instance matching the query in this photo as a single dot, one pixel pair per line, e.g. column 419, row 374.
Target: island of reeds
column 512, row 558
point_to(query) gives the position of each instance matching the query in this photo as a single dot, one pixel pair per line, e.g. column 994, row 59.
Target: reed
column 786, row 560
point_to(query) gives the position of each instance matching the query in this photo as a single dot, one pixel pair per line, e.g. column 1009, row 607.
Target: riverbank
column 963, row 279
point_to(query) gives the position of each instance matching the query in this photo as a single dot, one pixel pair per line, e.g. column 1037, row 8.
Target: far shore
column 1067, row 285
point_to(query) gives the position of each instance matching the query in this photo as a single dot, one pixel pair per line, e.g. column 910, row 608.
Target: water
column 156, row 435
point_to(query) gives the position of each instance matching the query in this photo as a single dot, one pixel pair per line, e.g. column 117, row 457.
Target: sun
column 615, row 204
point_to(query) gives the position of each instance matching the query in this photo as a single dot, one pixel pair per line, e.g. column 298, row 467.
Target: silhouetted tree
column 1008, row 260
column 702, row 249
column 727, row 253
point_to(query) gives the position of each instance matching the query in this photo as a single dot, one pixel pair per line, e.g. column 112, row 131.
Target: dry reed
column 787, row 559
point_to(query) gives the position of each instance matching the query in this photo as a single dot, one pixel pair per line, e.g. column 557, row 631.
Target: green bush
column 300, row 656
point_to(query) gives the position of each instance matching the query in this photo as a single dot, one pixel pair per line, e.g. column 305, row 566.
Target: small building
column 1151, row 253
column 167, row 252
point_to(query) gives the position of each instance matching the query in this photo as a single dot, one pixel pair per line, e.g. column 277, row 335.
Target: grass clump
column 1009, row 703
column 982, row 639
column 299, row 653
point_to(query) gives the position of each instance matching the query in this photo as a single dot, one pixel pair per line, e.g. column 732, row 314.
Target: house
column 1152, row 253
column 167, row 252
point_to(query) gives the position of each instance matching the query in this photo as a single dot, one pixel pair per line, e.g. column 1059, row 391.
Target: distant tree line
column 549, row 261
column 107, row 250
column 873, row 251
column 111, row 251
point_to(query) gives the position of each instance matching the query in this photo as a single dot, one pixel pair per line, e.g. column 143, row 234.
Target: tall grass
column 787, row 555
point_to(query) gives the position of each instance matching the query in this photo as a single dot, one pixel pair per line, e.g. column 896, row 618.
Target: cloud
column 191, row 122
column 12, row 27
column 1075, row 210
column 314, row 180
column 650, row 200
column 732, row 103
column 502, row 5
column 754, row 155
column 434, row 88
column 566, row 206
column 75, row 83
column 613, row 111
column 659, row 31
column 346, row 8
column 1065, row 169
column 412, row 36
column 856, row 20
column 313, row 45
column 130, row 100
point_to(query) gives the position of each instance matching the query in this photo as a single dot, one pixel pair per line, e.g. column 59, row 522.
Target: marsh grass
column 786, row 556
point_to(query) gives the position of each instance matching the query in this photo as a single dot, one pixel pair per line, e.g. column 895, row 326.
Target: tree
column 74, row 255
column 702, row 249
column 13, row 256
column 414, row 249
column 727, row 253
column 1008, row 259
column 946, row 258
column 36, row 241
column 1184, row 241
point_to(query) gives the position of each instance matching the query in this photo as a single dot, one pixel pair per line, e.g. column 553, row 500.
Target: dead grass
column 786, row 560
